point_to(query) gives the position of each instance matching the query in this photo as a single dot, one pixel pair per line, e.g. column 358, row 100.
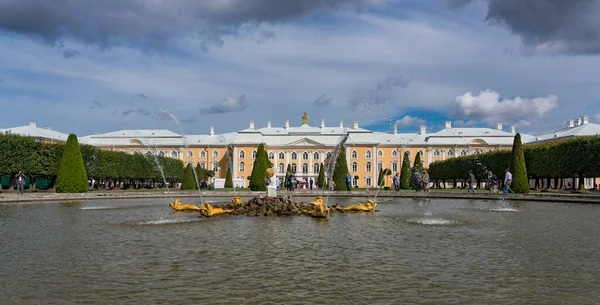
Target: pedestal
column 271, row 191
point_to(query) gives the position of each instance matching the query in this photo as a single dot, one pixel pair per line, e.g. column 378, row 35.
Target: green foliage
column 381, row 178
column 405, row 172
column 201, row 172
column 228, row 179
column 321, row 180
column 418, row 164
column 189, row 182
column 261, row 163
column 520, row 182
column 288, row 173
column 340, row 171
column 72, row 177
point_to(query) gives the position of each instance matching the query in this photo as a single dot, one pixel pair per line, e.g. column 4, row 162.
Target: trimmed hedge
column 189, row 181
column 405, row 172
column 228, row 179
column 72, row 177
column 321, row 180
column 261, row 163
column 340, row 171
column 520, row 182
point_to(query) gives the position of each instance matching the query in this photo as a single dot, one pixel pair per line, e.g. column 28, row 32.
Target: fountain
column 271, row 175
column 185, row 207
column 368, row 206
column 319, row 209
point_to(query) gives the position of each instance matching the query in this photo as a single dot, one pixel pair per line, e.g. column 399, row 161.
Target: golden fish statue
column 178, row 206
column 208, row 210
column 319, row 209
column 237, row 201
column 368, row 206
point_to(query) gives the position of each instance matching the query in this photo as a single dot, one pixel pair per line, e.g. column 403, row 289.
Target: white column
column 429, row 153
column 374, row 167
column 310, row 163
column 287, row 159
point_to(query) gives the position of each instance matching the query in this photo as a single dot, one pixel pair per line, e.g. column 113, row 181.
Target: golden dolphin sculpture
column 368, row 206
column 208, row 210
column 318, row 208
column 237, row 201
column 178, row 206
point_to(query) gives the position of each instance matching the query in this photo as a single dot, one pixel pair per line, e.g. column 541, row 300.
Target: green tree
column 228, row 179
column 418, row 164
column 520, row 182
column 321, row 180
column 405, row 172
column 261, row 163
column 381, row 178
column 189, row 182
column 72, row 177
column 340, row 171
column 288, row 173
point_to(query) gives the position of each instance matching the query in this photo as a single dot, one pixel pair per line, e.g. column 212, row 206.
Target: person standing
column 348, row 181
column 425, row 181
column 417, row 180
column 396, row 181
column 471, row 182
column 507, row 181
column 311, row 182
column 331, row 185
column 492, row 182
column 20, row 180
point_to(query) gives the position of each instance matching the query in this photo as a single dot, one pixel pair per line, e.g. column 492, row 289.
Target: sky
column 94, row 67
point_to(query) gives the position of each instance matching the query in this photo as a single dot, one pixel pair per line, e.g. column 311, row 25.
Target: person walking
column 348, row 182
column 492, row 182
column 20, row 180
column 417, row 180
column 311, row 182
column 425, row 181
column 396, row 181
column 507, row 181
column 471, row 182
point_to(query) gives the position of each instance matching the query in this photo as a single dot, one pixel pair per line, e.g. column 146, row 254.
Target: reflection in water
column 410, row 252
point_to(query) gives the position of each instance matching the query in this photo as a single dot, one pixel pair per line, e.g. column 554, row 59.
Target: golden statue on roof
column 305, row 118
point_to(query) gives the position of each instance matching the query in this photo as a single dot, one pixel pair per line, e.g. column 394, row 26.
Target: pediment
column 305, row 142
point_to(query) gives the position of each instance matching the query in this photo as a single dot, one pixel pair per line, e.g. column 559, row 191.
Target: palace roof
column 33, row 131
column 583, row 130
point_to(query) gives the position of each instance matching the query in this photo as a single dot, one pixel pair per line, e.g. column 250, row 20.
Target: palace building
column 304, row 146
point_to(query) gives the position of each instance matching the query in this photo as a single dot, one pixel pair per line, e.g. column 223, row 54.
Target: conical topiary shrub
column 418, row 164
column 405, row 172
column 340, row 171
column 228, row 180
column 321, row 180
column 72, row 177
column 520, row 182
column 189, row 182
column 261, row 163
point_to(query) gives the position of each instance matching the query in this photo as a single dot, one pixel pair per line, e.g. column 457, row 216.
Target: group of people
column 491, row 182
column 418, row 182
column 293, row 183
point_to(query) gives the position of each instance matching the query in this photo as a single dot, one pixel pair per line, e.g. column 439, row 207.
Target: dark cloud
column 554, row 26
column 141, row 111
column 114, row 112
column 98, row 105
column 142, row 96
column 383, row 94
column 152, row 24
column 228, row 105
column 322, row 101
column 69, row 53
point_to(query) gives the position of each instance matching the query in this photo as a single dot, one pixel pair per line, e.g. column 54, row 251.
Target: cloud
column 69, row 53
column 381, row 95
column 322, row 101
column 114, row 112
column 142, row 96
column 408, row 120
column 153, row 24
column 489, row 107
column 230, row 104
column 464, row 123
column 98, row 105
column 552, row 26
column 598, row 117
column 141, row 111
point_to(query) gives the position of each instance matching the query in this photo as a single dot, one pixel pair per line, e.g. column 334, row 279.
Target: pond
column 408, row 252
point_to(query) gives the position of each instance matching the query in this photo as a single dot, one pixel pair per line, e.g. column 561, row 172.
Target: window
column 379, row 167
column 215, row 154
column 379, row 153
column 281, row 168
column 463, row 153
column 368, row 154
column 203, row 154
column 316, row 168
column 305, row 168
column 203, row 165
column 354, row 154
column 271, row 156
column 328, row 167
column 162, row 153
column 215, row 166
column 190, row 154
column 395, row 167
column 294, row 167
column 281, row 156
column 242, row 167
column 354, row 167
column 294, row 156
column 451, row 153
column 395, row 153
column 368, row 166
column 173, row 154
column 329, row 155
column 242, row 155
column 436, row 153
column 305, row 156
column 368, row 181
column 254, row 154
column 354, row 182
column 316, row 156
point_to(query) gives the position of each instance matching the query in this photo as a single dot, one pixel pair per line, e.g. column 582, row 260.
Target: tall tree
column 520, row 182
column 405, row 172
column 340, row 171
column 72, row 177
column 418, row 164
column 321, row 180
column 261, row 163
column 381, row 178
column 189, row 182
column 288, row 173
column 228, row 179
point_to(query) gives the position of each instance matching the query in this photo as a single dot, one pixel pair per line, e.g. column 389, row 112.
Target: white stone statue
column 271, row 175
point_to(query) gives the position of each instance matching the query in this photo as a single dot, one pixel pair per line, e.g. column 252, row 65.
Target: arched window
column 329, row 155
column 215, row 167
column 368, row 181
column 316, row 168
column 395, row 167
column 436, row 153
column 395, row 153
column 354, row 167
column 305, row 168
column 368, row 166
column 281, row 156
column 242, row 167
column 379, row 167
column 379, row 153
column 215, row 154
column 316, row 156
column 203, row 154
column 242, row 154
column 162, row 153
column 294, row 168
column 281, row 168
column 271, row 155
column 203, row 165
column 254, row 154
column 354, row 182
column 174, row 154
column 450, row 153
column 190, row 154
column 294, row 156
column 328, row 167
column 354, row 154
column 304, row 156
column 368, row 154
